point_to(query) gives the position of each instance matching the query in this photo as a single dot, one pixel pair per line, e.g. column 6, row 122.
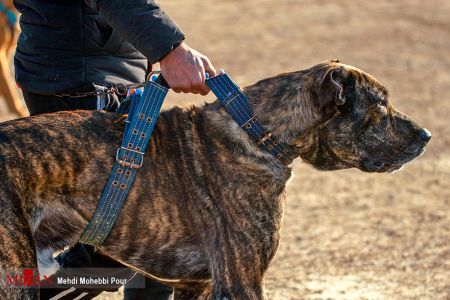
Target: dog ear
column 331, row 89
column 336, row 81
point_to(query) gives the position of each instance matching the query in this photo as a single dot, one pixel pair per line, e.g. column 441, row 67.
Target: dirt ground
column 348, row 234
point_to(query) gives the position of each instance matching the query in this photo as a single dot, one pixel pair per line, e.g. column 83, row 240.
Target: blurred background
column 347, row 234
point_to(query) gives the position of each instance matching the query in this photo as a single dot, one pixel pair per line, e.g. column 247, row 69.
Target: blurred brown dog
column 205, row 211
column 8, row 40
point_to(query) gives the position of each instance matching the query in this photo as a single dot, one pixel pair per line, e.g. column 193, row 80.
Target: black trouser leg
column 83, row 261
column 41, row 104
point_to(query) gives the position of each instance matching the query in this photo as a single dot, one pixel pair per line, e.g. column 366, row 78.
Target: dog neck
column 242, row 146
column 284, row 105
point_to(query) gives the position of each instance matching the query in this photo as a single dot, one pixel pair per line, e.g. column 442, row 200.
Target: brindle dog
column 205, row 211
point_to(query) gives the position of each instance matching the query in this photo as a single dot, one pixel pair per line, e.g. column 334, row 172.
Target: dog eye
column 383, row 103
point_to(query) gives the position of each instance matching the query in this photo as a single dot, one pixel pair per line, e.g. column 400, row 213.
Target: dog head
column 338, row 117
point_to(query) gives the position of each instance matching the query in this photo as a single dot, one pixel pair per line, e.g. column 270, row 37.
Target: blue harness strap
column 144, row 111
column 144, row 108
column 237, row 106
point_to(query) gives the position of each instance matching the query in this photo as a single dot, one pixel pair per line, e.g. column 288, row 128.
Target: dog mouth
column 380, row 167
column 392, row 168
column 383, row 167
column 421, row 151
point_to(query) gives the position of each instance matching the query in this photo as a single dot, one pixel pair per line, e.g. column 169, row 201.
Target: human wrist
column 174, row 46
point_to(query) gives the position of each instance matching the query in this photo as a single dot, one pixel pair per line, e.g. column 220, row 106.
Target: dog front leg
column 237, row 280
column 19, row 278
column 194, row 291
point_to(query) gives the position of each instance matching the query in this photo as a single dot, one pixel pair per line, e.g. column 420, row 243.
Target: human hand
column 184, row 70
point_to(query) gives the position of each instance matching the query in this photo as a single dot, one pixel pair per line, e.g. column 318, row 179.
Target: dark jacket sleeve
column 142, row 23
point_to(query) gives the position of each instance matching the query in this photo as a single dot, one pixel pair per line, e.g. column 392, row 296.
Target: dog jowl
column 205, row 211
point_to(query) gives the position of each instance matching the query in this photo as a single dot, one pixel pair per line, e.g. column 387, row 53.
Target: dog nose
column 425, row 135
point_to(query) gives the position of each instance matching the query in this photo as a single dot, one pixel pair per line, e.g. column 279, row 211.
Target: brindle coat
column 205, row 211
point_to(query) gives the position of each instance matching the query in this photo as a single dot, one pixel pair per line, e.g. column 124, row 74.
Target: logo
column 24, row 278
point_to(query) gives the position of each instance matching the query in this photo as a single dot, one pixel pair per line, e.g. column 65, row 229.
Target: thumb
column 209, row 68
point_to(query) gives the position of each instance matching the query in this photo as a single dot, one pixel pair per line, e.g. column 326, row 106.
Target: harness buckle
column 264, row 138
column 125, row 163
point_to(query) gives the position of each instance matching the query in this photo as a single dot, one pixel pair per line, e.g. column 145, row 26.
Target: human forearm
column 142, row 23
